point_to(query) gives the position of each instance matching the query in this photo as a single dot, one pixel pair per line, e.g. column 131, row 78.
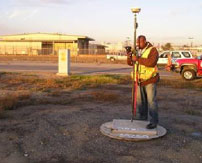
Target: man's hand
column 129, row 58
column 129, row 55
column 134, row 58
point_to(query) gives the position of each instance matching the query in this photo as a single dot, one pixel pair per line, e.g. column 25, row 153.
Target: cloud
column 40, row 2
column 13, row 14
column 46, row 3
column 179, row 11
column 55, row 1
column 186, row 10
column 25, row 13
column 31, row 14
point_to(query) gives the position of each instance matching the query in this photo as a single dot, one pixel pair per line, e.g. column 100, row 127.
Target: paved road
column 76, row 68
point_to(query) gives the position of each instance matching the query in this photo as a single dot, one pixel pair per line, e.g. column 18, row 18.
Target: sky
column 161, row 21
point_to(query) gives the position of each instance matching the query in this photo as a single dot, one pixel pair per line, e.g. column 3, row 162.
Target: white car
column 163, row 57
column 114, row 57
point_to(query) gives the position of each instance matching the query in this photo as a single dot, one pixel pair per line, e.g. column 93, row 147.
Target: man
column 147, row 81
column 169, row 66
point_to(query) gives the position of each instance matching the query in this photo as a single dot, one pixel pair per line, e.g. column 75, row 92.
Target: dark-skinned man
column 148, row 77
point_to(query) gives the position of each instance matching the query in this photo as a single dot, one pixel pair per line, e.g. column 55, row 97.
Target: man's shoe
column 151, row 126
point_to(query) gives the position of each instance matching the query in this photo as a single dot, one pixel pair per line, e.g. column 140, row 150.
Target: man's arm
column 129, row 59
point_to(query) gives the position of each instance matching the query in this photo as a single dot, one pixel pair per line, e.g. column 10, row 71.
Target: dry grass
column 105, row 96
column 195, row 84
column 78, row 82
column 7, row 103
column 18, row 82
column 73, row 82
column 54, row 86
column 192, row 112
column 11, row 100
column 46, row 101
column 54, row 93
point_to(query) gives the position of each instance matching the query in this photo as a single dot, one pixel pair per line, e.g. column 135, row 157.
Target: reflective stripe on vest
column 145, row 73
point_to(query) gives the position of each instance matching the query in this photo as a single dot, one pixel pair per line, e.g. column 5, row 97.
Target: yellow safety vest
column 145, row 73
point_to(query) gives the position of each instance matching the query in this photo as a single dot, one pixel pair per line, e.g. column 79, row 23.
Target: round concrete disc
column 107, row 130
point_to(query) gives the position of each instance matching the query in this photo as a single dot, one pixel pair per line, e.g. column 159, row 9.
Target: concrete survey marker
column 133, row 131
column 64, row 62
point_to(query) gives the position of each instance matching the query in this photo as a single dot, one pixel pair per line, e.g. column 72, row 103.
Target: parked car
column 163, row 57
column 119, row 56
column 189, row 68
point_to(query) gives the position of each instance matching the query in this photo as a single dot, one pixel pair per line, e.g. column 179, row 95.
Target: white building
column 114, row 47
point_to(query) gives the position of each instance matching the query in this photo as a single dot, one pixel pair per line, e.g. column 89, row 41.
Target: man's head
column 141, row 42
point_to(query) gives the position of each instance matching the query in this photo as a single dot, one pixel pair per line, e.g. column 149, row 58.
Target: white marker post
column 64, row 62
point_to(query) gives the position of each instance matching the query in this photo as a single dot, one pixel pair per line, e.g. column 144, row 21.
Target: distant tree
column 167, row 46
column 185, row 46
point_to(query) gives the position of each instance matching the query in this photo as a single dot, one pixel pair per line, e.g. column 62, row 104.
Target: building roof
column 43, row 37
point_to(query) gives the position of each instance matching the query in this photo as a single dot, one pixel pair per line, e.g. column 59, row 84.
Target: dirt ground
column 62, row 126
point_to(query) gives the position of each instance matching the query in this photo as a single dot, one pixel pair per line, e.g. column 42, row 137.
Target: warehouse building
column 43, row 44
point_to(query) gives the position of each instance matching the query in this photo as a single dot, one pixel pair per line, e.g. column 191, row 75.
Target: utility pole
column 191, row 44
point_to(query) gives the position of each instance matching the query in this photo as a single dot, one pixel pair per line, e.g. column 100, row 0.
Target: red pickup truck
column 189, row 68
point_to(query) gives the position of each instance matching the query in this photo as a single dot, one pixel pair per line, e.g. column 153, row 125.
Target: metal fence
column 12, row 50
